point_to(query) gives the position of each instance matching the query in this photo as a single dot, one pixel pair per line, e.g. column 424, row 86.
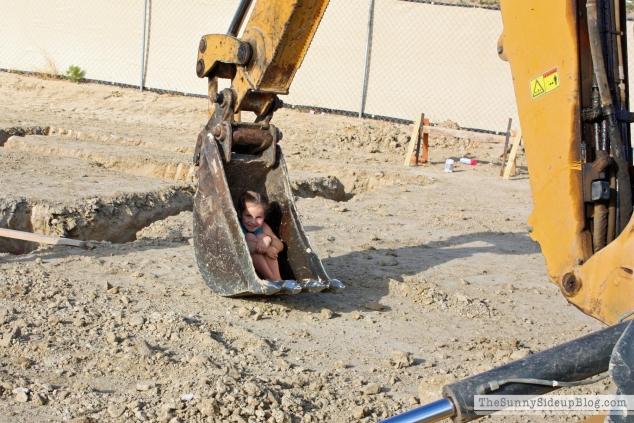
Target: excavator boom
column 573, row 109
column 235, row 156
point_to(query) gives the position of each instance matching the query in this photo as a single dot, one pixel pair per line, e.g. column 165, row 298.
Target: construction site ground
column 443, row 280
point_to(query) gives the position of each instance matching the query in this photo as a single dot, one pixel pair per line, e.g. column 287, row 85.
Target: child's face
column 253, row 217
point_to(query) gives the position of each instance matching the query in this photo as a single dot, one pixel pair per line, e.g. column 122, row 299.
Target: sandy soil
column 443, row 279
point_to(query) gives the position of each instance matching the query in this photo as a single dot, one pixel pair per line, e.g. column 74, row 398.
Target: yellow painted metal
column 540, row 35
column 279, row 34
column 218, row 50
column 607, row 280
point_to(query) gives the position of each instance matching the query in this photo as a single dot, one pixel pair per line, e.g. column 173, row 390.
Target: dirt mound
column 175, row 228
column 310, row 184
column 449, row 124
column 18, row 131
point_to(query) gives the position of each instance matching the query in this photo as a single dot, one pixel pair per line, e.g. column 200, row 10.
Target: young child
column 264, row 246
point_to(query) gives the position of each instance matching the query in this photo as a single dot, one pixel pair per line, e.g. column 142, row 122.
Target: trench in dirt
column 117, row 218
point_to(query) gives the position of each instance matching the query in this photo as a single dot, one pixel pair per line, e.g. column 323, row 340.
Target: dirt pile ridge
column 141, row 161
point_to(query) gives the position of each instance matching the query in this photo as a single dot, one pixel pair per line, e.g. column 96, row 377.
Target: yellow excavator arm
column 263, row 62
column 577, row 149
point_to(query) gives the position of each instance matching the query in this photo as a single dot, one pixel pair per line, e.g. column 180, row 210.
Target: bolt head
column 570, row 284
column 216, row 98
column 242, row 53
column 200, row 68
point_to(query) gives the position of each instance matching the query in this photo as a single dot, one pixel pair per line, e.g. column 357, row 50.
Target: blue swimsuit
column 257, row 232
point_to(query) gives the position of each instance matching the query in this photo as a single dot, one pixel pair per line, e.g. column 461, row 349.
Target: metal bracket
column 257, row 139
column 595, row 172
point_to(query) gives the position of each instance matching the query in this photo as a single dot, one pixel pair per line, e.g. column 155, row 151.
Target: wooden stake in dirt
column 419, row 139
column 42, row 239
column 421, row 127
column 414, row 140
column 511, row 166
column 424, row 154
column 506, row 146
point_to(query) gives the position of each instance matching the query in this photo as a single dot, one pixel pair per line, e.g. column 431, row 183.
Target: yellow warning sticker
column 544, row 83
column 537, row 87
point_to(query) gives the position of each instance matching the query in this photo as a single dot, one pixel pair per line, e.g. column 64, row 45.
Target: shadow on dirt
column 367, row 273
column 59, row 252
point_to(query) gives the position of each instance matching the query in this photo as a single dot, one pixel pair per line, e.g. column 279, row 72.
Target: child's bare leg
column 262, row 267
column 273, row 266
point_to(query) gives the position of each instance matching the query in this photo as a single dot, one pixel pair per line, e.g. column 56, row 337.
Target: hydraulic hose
column 578, row 362
column 600, row 219
column 614, row 135
column 238, row 18
column 573, row 361
column 619, row 44
column 612, row 208
column 599, row 236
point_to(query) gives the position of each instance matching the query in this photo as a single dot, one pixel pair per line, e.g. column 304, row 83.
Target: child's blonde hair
column 253, row 198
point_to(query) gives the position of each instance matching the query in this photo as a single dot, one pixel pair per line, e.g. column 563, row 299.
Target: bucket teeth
column 267, row 287
column 335, row 286
column 291, row 287
column 312, row 286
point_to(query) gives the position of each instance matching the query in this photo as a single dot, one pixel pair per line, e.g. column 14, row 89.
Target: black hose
column 614, row 134
column 238, row 18
column 573, row 361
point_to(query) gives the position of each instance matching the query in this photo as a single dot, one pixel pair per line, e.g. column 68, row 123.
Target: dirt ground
column 442, row 278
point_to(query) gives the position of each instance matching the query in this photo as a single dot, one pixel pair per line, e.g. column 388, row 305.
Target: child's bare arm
column 275, row 241
column 252, row 242
column 263, row 242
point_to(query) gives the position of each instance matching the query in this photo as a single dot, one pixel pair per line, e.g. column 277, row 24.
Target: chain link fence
column 389, row 59
column 128, row 42
column 401, row 58
column 49, row 36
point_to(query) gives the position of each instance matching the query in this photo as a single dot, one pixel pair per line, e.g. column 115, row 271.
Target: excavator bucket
column 221, row 249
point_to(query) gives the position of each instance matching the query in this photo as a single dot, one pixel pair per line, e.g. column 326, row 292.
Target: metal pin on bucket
column 449, row 165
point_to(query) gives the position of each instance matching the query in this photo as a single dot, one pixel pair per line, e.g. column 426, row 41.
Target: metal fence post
column 368, row 47
column 143, row 45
